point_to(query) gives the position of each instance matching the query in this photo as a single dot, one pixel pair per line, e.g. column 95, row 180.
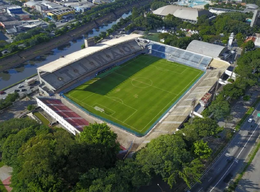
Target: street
column 232, row 159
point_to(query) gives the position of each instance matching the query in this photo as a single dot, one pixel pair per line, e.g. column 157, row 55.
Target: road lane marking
column 210, row 179
column 200, row 189
column 236, row 157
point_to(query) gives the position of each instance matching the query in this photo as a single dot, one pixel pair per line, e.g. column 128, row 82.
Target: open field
column 136, row 94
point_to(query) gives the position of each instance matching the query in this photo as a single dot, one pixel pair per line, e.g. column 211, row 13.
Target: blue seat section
column 95, row 62
column 179, row 55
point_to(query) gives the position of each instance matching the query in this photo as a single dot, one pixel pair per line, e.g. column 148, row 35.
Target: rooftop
column 205, row 48
column 73, row 57
column 66, row 113
column 186, row 13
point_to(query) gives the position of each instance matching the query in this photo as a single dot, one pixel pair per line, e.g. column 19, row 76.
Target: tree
column 201, row 149
column 164, row 156
column 13, row 126
column 249, row 46
column 219, row 109
column 102, row 139
column 125, row 176
column 42, row 163
column 201, row 127
column 15, row 141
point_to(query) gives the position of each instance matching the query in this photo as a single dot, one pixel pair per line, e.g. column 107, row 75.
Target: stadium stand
column 64, row 115
column 87, row 63
column 174, row 54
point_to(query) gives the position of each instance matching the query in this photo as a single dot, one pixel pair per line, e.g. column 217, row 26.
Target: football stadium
column 133, row 84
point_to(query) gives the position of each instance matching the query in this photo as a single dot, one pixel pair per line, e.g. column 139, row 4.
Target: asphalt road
column 232, row 159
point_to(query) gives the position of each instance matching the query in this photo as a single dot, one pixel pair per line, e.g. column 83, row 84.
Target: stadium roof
column 186, row 13
column 204, row 48
column 73, row 57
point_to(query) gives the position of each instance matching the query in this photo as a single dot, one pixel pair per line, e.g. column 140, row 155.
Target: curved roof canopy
column 205, row 48
column 186, row 13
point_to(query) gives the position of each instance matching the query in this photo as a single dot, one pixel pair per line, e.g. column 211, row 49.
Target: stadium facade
column 70, row 71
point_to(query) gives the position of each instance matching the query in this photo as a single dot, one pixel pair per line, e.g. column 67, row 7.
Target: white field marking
column 87, row 97
column 99, row 105
column 145, row 83
column 115, row 98
column 159, row 112
column 188, row 85
column 129, row 116
column 121, row 103
column 236, row 158
column 112, row 117
column 148, row 85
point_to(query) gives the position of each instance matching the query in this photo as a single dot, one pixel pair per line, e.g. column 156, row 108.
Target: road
column 232, row 159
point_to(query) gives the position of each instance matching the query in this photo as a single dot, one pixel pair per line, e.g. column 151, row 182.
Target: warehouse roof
column 73, row 57
column 186, row 13
column 205, row 48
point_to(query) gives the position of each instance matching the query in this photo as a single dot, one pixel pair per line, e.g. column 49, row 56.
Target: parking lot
column 22, row 88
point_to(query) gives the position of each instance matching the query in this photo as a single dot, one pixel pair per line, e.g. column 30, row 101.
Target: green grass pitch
column 137, row 93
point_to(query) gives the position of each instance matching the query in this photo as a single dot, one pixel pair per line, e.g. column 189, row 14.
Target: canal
column 28, row 68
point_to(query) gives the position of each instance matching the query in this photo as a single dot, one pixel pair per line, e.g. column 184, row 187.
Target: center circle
column 141, row 82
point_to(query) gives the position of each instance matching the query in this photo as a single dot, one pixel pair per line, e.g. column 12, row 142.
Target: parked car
column 2, row 92
column 16, row 90
column 23, row 90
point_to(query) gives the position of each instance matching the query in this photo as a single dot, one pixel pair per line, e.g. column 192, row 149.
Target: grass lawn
column 137, row 93
column 42, row 118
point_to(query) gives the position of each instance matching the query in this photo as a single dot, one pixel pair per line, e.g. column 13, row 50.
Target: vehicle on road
column 250, row 120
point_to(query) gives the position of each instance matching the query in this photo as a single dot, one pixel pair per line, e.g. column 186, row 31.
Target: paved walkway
column 5, row 176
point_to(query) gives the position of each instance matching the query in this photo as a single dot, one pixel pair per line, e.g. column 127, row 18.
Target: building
column 14, row 10
column 61, row 12
column 185, row 13
column 208, row 49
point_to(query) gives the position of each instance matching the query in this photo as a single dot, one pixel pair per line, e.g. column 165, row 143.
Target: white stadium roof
column 186, row 13
column 205, row 48
column 73, row 57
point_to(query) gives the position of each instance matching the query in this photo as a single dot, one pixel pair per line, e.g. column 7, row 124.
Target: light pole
column 160, row 187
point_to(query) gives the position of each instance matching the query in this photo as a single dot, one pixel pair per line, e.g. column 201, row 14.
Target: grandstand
column 61, row 113
column 177, row 55
column 86, row 63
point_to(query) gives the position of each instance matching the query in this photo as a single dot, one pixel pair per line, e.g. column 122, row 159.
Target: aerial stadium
column 140, row 87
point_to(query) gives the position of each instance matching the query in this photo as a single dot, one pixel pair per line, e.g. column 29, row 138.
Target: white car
column 250, row 120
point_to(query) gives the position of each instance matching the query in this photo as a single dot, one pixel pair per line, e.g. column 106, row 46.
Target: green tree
column 15, row 141
column 201, row 149
column 164, row 156
column 219, row 109
column 103, row 139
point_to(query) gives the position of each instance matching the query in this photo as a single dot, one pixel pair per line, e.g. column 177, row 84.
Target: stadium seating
column 180, row 56
column 92, row 64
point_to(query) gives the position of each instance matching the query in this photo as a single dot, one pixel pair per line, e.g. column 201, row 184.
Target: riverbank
column 41, row 49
